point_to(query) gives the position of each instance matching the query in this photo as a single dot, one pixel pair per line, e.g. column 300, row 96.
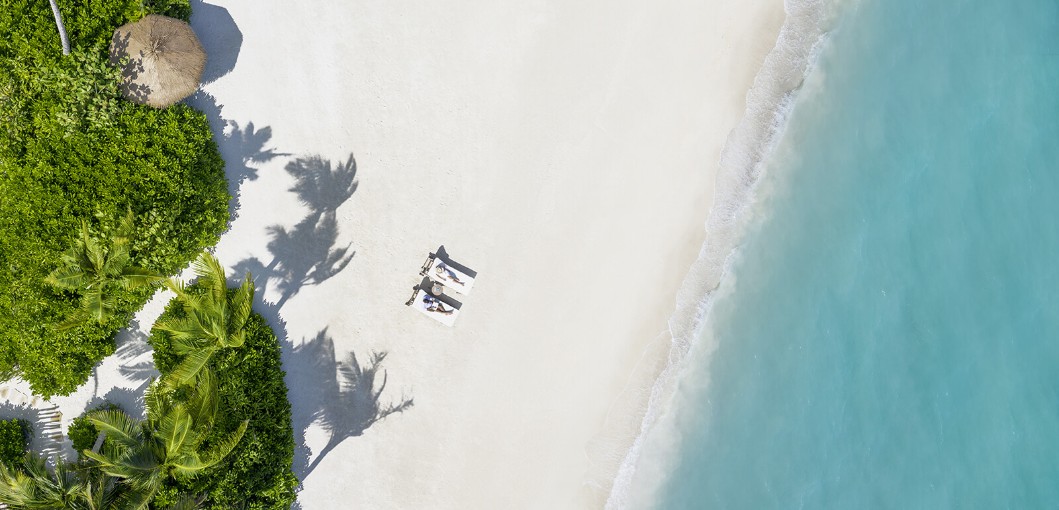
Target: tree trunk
column 62, row 28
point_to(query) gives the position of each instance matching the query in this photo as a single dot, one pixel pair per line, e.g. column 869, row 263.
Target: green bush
column 71, row 149
column 83, row 433
column 257, row 474
column 14, row 441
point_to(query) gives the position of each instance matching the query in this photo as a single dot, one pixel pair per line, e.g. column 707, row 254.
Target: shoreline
column 557, row 150
column 742, row 163
column 572, row 168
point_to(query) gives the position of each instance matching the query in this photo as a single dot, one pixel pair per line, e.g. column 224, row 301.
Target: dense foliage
column 171, row 443
column 82, row 432
column 257, row 474
column 72, row 150
column 14, row 440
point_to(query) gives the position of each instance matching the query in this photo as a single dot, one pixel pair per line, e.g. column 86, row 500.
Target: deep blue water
column 891, row 338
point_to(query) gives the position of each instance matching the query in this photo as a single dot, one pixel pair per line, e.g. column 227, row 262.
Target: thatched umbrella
column 165, row 60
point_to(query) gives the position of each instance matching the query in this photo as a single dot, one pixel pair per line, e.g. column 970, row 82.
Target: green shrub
column 257, row 474
column 14, row 440
column 71, row 149
column 83, row 433
column 180, row 9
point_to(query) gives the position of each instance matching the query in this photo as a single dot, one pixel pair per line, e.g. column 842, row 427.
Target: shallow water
column 889, row 338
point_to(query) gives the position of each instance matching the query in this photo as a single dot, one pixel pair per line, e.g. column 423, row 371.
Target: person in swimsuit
column 444, row 270
column 433, row 305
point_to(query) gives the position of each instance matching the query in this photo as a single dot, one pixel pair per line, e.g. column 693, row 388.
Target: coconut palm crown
column 95, row 271
column 210, row 318
column 34, row 486
column 169, row 443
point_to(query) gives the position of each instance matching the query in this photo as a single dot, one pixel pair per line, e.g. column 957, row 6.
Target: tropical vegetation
column 210, row 318
column 257, row 473
column 31, row 485
column 97, row 273
column 102, row 198
column 75, row 159
column 171, row 442
column 15, row 435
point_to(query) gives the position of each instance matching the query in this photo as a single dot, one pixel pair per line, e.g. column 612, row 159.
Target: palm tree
column 62, row 28
column 34, row 487
column 354, row 403
column 95, row 272
column 210, row 318
column 143, row 454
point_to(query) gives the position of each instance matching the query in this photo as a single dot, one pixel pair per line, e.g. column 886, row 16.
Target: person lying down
column 433, row 305
column 444, row 270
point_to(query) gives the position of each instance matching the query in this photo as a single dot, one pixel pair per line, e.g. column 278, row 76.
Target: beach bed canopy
column 160, row 58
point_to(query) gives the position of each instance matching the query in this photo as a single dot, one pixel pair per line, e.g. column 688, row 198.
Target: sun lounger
column 417, row 303
column 443, row 273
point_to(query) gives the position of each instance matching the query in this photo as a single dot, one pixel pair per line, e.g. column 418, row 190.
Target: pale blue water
column 893, row 339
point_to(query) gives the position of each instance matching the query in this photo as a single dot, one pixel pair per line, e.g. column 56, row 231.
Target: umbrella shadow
column 346, row 397
column 307, row 254
column 220, row 37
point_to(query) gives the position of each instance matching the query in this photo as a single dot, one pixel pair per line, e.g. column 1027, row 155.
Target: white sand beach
column 565, row 151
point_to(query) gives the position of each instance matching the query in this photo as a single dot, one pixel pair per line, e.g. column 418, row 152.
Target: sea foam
column 741, row 165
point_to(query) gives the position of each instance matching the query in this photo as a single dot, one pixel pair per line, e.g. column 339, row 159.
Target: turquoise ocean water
column 890, row 338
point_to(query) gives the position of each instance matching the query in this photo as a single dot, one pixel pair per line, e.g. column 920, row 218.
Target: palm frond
column 91, row 251
column 203, row 402
column 155, row 401
column 223, row 448
column 100, row 492
column 177, row 286
column 187, row 465
column 104, row 462
column 125, row 229
column 211, row 276
column 117, row 258
column 241, row 304
column 186, row 502
column 139, row 468
column 182, row 329
column 136, row 499
column 97, row 304
column 174, row 429
column 119, row 427
column 16, row 488
column 136, row 277
column 189, row 368
column 68, row 277
column 236, row 339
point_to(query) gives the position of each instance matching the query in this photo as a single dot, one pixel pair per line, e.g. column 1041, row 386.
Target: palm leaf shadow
column 307, row 253
column 353, row 402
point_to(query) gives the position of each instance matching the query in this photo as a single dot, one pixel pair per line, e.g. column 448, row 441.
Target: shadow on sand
column 220, row 37
column 307, row 253
column 344, row 397
column 347, row 396
column 243, row 148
